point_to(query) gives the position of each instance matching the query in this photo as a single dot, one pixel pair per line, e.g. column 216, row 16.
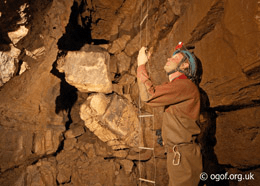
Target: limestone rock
column 119, row 44
column 107, row 22
column 123, row 179
column 118, row 125
column 24, row 67
column 126, row 79
column 98, row 172
column 70, row 143
column 179, row 7
column 17, row 35
column 98, row 103
column 87, row 70
column 127, row 165
column 143, row 155
column 237, row 135
column 47, row 142
column 128, row 8
column 8, row 62
column 102, row 149
column 113, row 64
column 64, row 173
column 15, row 148
column 120, row 154
column 42, row 173
column 22, row 13
column 123, row 62
column 75, row 131
column 35, row 53
column 90, row 150
column 118, row 89
column 133, row 46
column 68, row 157
column 28, row 102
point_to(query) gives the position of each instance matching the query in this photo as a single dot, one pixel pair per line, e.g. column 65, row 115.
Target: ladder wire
column 142, row 116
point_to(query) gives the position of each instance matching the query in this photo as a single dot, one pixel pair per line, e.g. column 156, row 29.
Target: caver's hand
column 142, row 57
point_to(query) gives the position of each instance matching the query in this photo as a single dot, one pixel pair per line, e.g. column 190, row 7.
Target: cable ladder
column 145, row 115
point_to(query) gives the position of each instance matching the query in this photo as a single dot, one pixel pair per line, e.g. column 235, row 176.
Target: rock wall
column 63, row 122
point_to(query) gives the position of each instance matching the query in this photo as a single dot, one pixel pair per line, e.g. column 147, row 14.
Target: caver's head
column 174, row 61
column 182, row 61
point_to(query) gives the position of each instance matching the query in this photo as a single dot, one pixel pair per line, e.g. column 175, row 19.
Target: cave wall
column 43, row 138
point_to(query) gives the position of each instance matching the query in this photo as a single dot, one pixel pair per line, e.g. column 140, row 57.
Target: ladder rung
column 145, row 115
column 146, row 148
column 145, row 180
column 143, row 19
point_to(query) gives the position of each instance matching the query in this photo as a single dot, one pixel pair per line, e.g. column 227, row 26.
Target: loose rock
column 87, row 70
column 118, row 125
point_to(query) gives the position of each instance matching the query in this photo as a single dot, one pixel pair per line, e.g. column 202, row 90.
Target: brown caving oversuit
column 181, row 101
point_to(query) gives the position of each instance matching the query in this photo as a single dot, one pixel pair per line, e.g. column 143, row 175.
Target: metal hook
column 177, row 156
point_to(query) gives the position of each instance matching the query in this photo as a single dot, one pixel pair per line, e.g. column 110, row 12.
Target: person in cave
column 181, row 100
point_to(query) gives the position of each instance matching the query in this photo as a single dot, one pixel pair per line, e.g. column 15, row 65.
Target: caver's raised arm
column 161, row 95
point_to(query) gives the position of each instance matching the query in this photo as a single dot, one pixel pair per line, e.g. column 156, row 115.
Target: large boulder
column 87, row 70
column 113, row 120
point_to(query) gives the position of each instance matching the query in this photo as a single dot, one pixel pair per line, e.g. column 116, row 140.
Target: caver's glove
column 142, row 57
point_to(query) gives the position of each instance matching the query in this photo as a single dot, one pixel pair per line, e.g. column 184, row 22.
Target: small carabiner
column 177, row 156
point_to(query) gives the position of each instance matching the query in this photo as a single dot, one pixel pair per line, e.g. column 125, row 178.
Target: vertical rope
column 139, row 104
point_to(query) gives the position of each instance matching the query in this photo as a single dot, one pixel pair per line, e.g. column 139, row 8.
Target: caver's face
column 173, row 62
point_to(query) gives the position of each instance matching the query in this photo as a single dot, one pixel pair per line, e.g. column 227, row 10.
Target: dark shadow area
column 8, row 21
column 68, row 95
column 253, row 73
column 78, row 30
column 207, row 137
column 19, row 65
column 4, row 41
column 229, row 108
column 10, row 16
column 76, row 36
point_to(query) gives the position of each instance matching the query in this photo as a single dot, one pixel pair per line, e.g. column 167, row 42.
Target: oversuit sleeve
column 161, row 95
